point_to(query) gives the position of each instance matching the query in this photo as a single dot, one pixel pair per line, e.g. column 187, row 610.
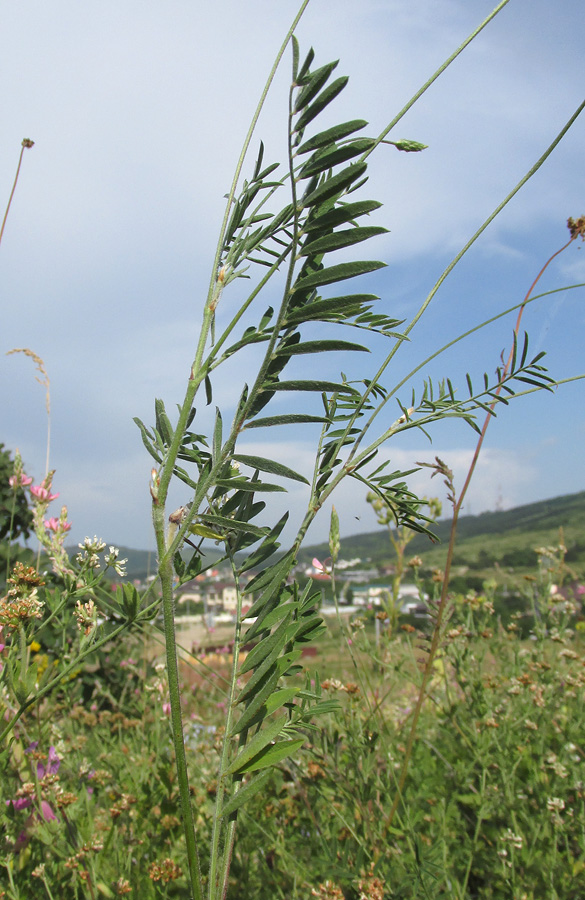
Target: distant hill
column 507, row 538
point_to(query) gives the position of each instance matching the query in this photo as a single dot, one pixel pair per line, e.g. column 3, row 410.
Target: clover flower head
column 93, row 545
column 114, row 563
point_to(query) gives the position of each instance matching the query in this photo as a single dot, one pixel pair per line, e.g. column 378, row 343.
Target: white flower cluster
column 89, row 557
column 91, row 548
column 114, row 563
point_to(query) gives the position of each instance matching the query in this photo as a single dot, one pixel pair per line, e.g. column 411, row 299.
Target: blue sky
column 138, row 111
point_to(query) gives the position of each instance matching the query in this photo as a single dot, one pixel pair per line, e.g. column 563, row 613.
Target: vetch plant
column 301, row 244
column 287, row 230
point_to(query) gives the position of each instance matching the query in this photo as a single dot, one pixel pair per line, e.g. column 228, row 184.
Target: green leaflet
column 341, row 214
column 273, row 754
column 268, row 546
column 147, row 440
column 328, row 158
column 337, row 273
column 233, row 524
column 242, row 484
column 314, row 84
column 245, row 793
column 279, row 698
column 331, row 309
column 163, row 424
column 262, row 650
column 324, row 346
column 330, row 135
column 285, row 664
column 273, row 575
column 276, row 614
column 217, row 437
column 292, row 419
column 269, row 733
column 340, row 239
column 334, row 185
column 269, row 465
column 280, row 637
column 321, row 386
column 254, row 711
column 323, row 100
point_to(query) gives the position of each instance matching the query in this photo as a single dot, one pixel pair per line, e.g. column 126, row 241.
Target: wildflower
column 86, row 615
column 333, row 683
column 42, row 493
column 165, row 871
column 93, row 545
column 56, row 525
column 327, row 891
column 577, row 227
column 515, row 840
column 53, row 761
column 89, row 560
column 21, row 601
column 21, row 480
column 371, row 887
column 26, row 793
column 415, row 562
column 555, row 804
column 114, row 563
column 321, row 568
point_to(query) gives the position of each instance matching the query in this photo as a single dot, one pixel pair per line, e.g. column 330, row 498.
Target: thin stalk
column 9, row 542
column 219, row 871
column 424, row 306
column 507, row 368
column 162, row 482
column 450, row 551
column 475, row 839
column 26, row 144
column 166, row 577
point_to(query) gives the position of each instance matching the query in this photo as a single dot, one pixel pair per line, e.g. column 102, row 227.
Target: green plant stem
column 218, row 873
column 9, row 543
column 165, row 552
column 434, row 77
column 166, row 577
column 447, row 271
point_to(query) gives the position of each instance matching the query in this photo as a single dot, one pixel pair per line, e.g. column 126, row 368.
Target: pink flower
column 321, row 568
column 56, row 525
column 166, row 708
column 21, row 480
column 41, row 493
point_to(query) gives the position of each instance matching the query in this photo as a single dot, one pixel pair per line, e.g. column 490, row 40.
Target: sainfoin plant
column 286, row 229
